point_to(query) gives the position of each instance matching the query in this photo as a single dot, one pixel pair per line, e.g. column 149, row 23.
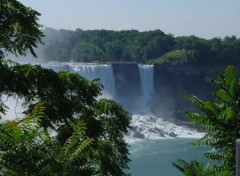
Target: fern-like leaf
column 194, row 100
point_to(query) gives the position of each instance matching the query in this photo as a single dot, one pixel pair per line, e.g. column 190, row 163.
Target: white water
column 14, row 108
column 147, row 87
column 89, row 71
column 93, row 71
column 144, row 127
column 155, row 143
column 57, row 66
column 150, row 127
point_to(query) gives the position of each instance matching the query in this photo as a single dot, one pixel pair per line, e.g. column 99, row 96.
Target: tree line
column 134, row 46
column 67, row 130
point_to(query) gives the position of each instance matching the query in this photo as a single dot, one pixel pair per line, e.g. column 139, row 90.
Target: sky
column 202, row 18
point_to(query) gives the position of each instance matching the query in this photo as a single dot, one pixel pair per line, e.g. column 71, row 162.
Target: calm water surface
column 155, row 157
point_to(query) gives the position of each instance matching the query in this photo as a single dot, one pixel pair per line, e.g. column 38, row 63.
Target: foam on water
column 150, row 127
column 144, row 127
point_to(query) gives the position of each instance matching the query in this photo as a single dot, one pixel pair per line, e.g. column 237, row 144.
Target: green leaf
column 230, row 74
column 231, row 80
column 224, row 95
column 230, row 113
column 194, row 100
column 211, row 106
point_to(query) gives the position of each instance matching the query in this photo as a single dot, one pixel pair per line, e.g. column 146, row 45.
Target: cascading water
column 146, row 128
column 90, row 72
column 57, row 66
column 144, row 124
column 147, row 85
column 93, row 71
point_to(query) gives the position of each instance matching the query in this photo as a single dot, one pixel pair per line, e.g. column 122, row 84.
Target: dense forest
column 134, row 46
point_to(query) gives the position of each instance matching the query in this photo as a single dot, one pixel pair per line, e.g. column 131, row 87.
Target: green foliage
column 176, row 57
column 22, row 143
column 28, row 149
column 84, row 52
column 70, row 101
column 220, row 119
column 141, row 47
column 64, row 93
column 19, row 30
column 102, row 45
column 195, row 168
column 66, row 130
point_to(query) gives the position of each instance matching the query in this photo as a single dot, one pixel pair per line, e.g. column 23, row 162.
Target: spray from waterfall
column 89, row 71
column 147, row 86
column 93, row 71
column 137, row 91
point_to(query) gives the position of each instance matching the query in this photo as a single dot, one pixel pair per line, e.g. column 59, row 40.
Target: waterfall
column 93, row 71
column 57, row 66
column 134, row 90
column 89, row 71
column 147, row 86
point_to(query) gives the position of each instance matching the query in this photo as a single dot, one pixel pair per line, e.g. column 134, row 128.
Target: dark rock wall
column 171, row 83
column 127, row 84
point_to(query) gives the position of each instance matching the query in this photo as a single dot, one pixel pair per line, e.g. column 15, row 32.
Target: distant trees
column 85, row 52
column 134, row 46
column 177, row 57
column 220, row 119
column 103, row 45
column 213, row 51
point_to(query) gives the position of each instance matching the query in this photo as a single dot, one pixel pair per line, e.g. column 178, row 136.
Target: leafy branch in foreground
column 26, row 148
column 19, row 28
column 71, row 109
column 220, row 119
column 75, row 133
column 195, row 168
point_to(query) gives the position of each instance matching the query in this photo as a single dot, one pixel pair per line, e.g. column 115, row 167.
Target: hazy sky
column 203, row 18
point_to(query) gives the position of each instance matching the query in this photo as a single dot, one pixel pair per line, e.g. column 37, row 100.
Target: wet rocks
column 172, row 134
column 139, row 135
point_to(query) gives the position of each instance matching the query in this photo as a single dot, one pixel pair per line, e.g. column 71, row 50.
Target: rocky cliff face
column 147, row 89
column 127, row 84
column 171, row 83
